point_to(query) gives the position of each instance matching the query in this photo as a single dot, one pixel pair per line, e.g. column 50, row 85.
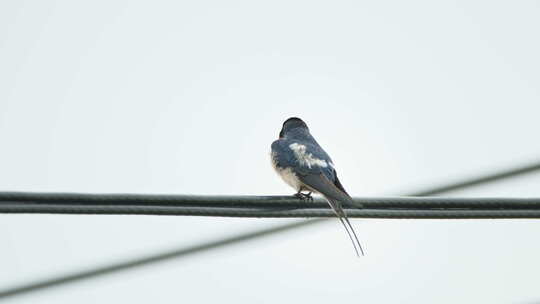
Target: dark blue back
column 286, row 157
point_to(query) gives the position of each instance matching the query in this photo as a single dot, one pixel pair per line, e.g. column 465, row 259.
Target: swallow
column 301, row 162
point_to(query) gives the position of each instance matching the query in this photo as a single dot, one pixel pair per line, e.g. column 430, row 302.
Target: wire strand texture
column 266, row 206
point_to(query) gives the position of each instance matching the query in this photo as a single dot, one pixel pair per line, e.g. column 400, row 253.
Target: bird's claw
column 305, row 197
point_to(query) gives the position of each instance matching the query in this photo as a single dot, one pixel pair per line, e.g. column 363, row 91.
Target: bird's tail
column 336, row 196
column 342, row 216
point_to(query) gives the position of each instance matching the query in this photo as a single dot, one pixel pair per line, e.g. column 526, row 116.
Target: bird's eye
column 281, row 134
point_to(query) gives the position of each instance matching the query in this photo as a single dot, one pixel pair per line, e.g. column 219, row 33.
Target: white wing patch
column 306, row 159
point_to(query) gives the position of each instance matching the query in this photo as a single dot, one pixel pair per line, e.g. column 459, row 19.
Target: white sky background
column 186, row 97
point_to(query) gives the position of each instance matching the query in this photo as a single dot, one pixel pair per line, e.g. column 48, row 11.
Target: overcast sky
column 186, row 97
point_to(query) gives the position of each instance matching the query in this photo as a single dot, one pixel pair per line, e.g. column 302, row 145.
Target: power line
column 481, row 179
column 266, row 206
column 251, row 201
column 164, row 256
column 187, row 251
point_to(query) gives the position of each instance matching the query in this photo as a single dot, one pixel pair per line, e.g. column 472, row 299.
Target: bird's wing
column 321, row 183
column 335, row 197
column 350, row 203
column 338, row 183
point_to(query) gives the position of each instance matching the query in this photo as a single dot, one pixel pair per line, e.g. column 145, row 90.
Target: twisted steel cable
column 265, row 206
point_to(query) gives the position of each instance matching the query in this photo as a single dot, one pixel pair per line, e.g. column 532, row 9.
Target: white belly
column 287, row 175
column 290, row 178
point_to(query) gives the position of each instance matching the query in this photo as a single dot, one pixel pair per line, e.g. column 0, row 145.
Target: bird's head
column 290, row 124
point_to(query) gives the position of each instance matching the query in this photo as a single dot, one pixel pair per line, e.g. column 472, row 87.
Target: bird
column 304, row 165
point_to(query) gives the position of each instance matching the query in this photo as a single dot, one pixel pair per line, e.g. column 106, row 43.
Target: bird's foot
column 305, row 197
